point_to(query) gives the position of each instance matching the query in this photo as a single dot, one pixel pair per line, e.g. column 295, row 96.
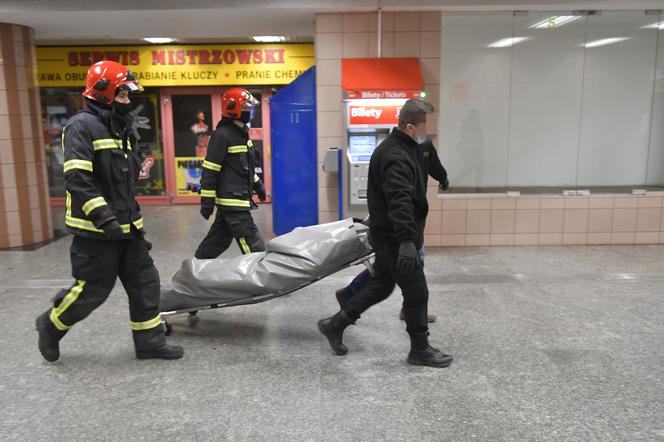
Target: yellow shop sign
column 199, row 65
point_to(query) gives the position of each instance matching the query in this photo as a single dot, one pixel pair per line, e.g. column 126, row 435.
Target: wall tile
column 454, row 222
column 478, row 221
column 624, row 220
column 551, row 221
column 502, row 221
column 527, row 221
column 328, row 23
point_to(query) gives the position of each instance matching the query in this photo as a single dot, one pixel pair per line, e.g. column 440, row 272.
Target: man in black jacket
column 229, row 180
column 101, row 167
column 397, row 198
column 432, row 167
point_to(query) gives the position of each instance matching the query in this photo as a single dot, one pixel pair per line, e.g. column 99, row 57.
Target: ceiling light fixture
column 555, row 21
column 604, row 42
column 159, row 40
column 507, row 42
column 268, row 38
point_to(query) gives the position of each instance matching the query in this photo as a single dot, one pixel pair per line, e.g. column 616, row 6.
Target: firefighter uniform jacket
column 229, row 176
column 397, row 192
column 100, row 170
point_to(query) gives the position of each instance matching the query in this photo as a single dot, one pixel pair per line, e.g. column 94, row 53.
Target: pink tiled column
column 25, row 214
column 355, row 35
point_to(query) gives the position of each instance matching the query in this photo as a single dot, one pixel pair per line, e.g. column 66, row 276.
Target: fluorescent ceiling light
column 659, row 26
column 604, row 42
column 507, row 42
column 555, row 21
column 159, row 40
column 268, row 38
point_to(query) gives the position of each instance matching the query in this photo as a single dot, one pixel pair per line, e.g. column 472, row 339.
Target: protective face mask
column 420, row 138
column 121, row 108
column 245, row 116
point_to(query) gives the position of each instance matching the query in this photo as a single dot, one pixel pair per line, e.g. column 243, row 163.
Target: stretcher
column 290, row 262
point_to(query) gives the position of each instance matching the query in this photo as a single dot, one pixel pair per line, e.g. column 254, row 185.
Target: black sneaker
column 163, row 352
column 49, row 346
column 429, row 357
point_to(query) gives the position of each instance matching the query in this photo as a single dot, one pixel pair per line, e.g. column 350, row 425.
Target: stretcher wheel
column 168, row 328
column 193, row 318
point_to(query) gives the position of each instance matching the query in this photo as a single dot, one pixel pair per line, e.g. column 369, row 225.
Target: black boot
column 49, row 337
column 333, row 329
column 164, row 352
column 421, row 353
column 339, row 294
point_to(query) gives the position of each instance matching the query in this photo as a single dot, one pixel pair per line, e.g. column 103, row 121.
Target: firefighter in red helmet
column 229, row 180
column 101, row 167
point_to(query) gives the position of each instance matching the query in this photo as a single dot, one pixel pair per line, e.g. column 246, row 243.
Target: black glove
column 113, row 230
column 444, row 185
column 206, row 211
column 260, row 191
column 408, row 259
column 148, row 244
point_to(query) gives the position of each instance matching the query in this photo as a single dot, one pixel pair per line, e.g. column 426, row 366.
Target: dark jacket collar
column 404, row 137
column 119, row 126
column 102, row 111
column 244, row 131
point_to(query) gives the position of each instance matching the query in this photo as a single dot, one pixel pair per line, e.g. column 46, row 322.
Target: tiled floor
column 551, row 343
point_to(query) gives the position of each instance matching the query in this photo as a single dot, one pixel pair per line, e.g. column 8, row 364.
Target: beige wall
column 25, row 214
column 464, row 220
column 484, row 220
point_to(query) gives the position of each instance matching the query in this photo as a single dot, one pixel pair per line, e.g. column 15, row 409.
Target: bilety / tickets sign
column 198, row 65
column 374, row 114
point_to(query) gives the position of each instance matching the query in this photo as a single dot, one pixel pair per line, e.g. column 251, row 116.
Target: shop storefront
column 179, row 108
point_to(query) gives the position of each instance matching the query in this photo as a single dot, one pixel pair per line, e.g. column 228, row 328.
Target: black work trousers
column 229, row 225
column 386, row 276
column 96, row 264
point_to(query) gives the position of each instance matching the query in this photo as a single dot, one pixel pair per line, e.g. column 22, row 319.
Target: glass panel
column 147, row 130
column 617, row 99
column 58, row 105
column 192, row 126
column 257, row 115
column 258, row 158
column 656, row 154
column 475, row 83
column 545, row 101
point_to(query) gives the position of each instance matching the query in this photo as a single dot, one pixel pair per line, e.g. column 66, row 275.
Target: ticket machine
column 368, row 122
column 374, row 90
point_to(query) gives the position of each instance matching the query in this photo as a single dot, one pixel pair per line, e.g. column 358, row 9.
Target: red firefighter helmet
column 105, row 78
column 235, row 100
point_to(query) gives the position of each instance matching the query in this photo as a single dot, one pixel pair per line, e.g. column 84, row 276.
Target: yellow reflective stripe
column 256, row 178
column 232, row 202
column 245, row 247
column 93, row 204
column 208, row 193
column 146, row 325
column 68, row 203
column 62, row 138
column 71, row 296
column 81, row 224
column 84, row 224
column 138, row 223
column 109, row 143
column 77, row 164
column 212, row 166
column 58, row 324
column 237, row 149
